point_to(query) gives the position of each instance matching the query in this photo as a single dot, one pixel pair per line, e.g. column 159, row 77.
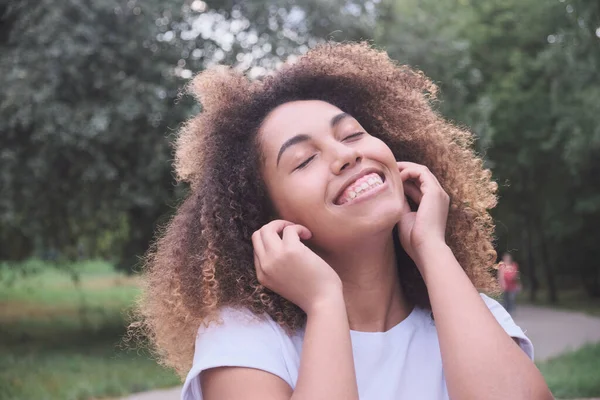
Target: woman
column 331, row 243
column 508, row 278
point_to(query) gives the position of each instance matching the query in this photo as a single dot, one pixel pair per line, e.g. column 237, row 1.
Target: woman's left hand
column 422, row 230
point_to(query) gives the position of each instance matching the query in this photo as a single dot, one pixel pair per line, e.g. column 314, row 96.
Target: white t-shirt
column 401, row 363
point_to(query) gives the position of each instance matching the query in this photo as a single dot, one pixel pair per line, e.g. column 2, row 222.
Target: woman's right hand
column 288, row 267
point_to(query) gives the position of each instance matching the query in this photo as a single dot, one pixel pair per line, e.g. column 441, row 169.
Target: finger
column 412, row 191
column 257, row 244
column 407, row 164
column 423, row 178
column 293, row 234
column 258, row 267
column 270, row 234
column 414, row 173
column 403, row 165
column 256, row 262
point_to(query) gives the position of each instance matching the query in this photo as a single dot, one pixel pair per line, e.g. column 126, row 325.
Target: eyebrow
column 302, row 137
column 335, row 120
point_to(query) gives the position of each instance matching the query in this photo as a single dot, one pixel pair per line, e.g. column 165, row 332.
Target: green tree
column 571, row 63
column 545, row 123
column 85, row 108
column 90, row 98
column 524, row 76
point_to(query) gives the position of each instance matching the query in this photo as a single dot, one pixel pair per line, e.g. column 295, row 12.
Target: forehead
column 295, row 117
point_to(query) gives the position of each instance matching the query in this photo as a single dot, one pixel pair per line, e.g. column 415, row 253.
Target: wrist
column 329, row 302
column 429, row 254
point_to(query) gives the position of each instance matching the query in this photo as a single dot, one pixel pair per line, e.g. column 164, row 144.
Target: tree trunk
column 590, row 277
column 531, row 276
column 548, row 270
column 139, row 239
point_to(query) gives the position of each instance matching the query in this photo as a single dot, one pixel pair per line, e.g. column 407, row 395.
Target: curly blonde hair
column 203, row 260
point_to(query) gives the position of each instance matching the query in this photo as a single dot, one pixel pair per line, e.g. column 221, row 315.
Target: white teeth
column 371, row 182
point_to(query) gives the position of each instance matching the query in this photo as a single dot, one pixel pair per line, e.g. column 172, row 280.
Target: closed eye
column 353, row 136
column 305, row 163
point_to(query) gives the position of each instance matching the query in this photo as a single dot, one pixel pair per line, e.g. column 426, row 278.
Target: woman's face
column 323, row 171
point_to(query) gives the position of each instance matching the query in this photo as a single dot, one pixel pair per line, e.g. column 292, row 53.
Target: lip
column 356, row 177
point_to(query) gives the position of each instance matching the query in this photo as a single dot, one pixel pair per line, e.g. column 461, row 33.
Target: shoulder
column 508, row 324
column 501, row 315
column 237, row 323
column 238, row 339
column 238, row 333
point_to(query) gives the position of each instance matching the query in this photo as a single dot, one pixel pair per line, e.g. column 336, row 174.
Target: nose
column 345, row 157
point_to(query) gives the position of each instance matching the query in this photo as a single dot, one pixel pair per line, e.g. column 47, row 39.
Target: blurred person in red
column 508, row 277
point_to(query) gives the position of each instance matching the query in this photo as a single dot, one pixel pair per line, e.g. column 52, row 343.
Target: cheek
column 298, row 198
column 398, row 184
column 384, row 153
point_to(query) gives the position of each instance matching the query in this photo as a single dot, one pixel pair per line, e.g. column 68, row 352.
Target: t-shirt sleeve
column 506, row 321
column 242, row 340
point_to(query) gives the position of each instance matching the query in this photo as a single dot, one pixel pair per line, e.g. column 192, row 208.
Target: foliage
column 60, row 341
column 89, row 101
column 574, row 375
column 524, row 76
column 90, row 98
column 91, row 95
column 86, row 105
column 542, row 146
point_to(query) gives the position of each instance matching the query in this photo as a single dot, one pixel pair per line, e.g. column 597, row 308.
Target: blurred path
column 552, row 332
column 555, row 331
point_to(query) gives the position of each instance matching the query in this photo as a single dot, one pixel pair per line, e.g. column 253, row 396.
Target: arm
column 326, row 366
column 326, row 372
column 480, row 360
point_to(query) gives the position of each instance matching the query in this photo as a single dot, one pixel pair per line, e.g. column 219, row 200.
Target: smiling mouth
column 360, row 187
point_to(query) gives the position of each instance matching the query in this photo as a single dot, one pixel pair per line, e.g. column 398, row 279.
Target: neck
column 372, row 290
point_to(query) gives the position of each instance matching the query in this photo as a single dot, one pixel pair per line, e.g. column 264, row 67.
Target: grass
column 569, row 299
column 575, row 374
column 61, row 342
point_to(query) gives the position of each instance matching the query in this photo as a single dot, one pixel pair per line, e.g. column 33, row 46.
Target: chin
column 382, row 221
